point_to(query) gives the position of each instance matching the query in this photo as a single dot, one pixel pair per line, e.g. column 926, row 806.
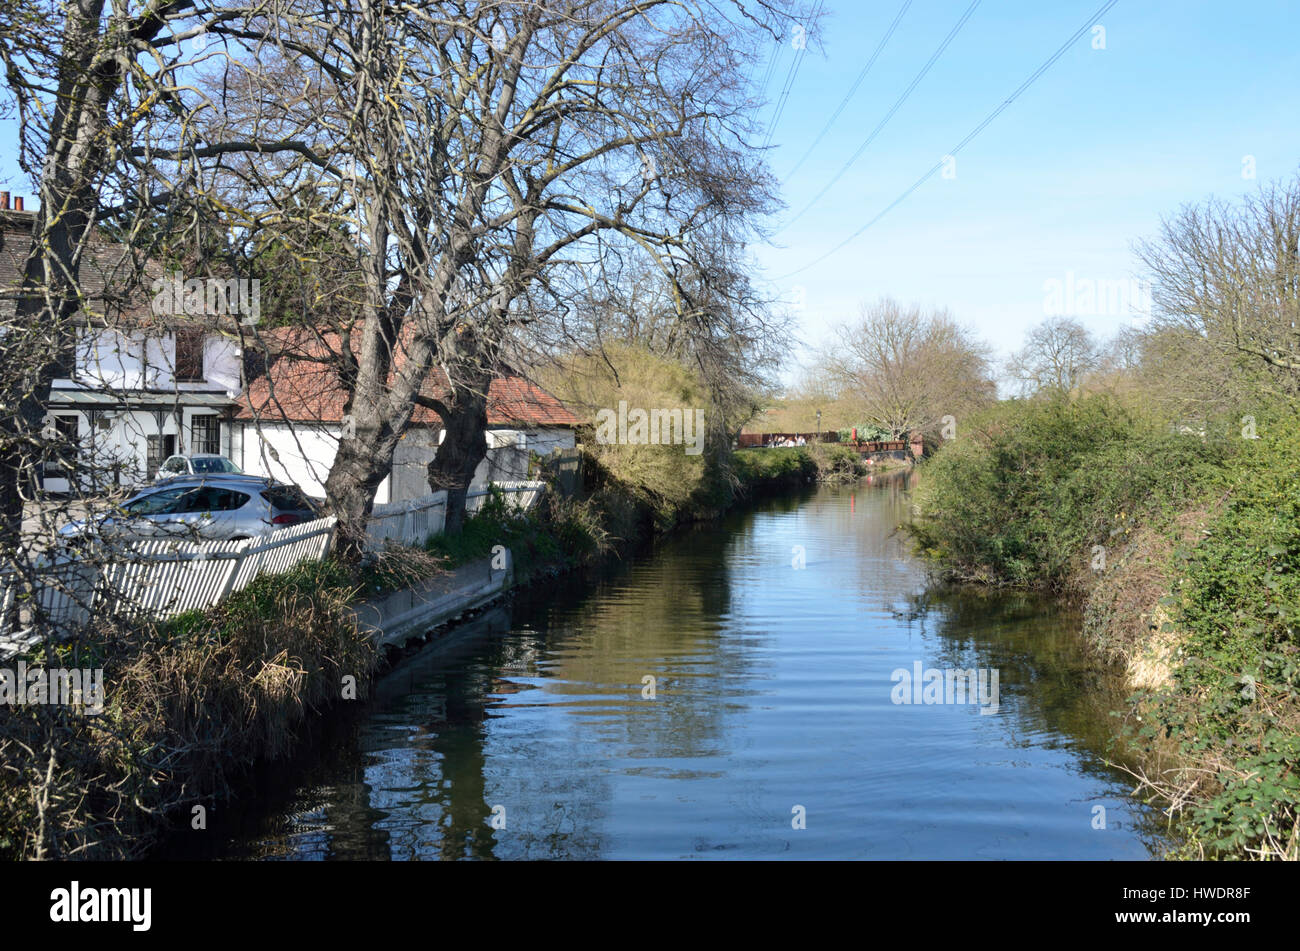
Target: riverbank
column 194, row 704
column 1181, row 548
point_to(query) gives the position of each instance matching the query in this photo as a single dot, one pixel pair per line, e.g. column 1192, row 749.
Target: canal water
column 730, row 693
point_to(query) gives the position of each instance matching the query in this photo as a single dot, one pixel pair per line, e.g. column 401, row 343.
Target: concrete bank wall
column 396, row 618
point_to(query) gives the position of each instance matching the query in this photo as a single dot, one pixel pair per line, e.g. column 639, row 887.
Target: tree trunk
column 50, row 294
column 363, row 461
column 462, row 449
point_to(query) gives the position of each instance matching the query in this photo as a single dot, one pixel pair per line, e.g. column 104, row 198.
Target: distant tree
column 1229, row 274
column 906, row 369
column 1056, row 357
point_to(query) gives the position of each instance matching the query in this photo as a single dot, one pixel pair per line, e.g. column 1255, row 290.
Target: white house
column 289, row 422
column 135, row 386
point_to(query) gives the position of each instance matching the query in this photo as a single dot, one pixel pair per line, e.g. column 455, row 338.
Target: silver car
column 199, row 463
column 202, row 508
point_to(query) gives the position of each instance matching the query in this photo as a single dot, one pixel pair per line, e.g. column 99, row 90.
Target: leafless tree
column 907, row 368
column 1229, row 273
column 486, row 157
column 108, row 139
column 1056, row 357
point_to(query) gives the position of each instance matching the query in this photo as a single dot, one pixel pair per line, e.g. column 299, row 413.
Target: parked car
column 199, row 463
column 202, row 508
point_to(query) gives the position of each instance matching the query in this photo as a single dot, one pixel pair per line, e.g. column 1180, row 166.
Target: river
column 729, row 693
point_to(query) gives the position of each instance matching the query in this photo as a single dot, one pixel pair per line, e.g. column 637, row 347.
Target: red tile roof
column 298, row 388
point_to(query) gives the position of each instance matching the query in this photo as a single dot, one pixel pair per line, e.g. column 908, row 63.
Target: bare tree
column 485, row 157
column 907, row 368
column 107, row 135
column 1056, row 357
column 1229, row 273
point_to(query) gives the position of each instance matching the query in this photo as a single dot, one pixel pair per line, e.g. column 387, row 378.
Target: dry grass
column 187, row 712
column 1122, row 611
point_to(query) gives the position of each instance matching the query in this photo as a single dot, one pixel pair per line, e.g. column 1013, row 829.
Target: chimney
column 4, row 201
column 18, row 204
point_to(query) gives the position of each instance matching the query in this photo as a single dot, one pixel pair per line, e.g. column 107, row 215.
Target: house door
column 159, row 448
column 59, row 467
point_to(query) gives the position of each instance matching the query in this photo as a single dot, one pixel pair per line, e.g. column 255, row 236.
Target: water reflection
column 770, row 640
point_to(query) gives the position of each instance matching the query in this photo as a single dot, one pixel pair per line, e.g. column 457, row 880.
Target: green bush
column 558, row 532
column 1026, row 490
column 759, row 468
column 1236, row 709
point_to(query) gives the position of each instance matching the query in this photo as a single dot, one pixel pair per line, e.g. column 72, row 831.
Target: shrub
column 1027, row 489
column 1235, row 712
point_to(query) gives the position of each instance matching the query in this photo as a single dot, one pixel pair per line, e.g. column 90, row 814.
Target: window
column 174, row 466
column 67, row 431
column 189, row 355
column 205, row 436
column 288, row 499
column 217, row 464
column 165, row 502
column 211, row 499
column 157, row 449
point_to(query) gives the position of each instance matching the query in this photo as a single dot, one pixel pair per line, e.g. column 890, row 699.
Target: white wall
column 543, row 441
column 122, row 436
column 115, row 360
column 110, row 359
column 221, row 365
column 299, row 453
column 306, row 451
column 509, row 453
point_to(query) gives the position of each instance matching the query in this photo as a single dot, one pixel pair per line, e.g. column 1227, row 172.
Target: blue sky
column 1085, row 162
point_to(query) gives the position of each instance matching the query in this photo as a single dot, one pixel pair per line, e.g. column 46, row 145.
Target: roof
column 117, row 283
column 105, row 275
column 299, row 387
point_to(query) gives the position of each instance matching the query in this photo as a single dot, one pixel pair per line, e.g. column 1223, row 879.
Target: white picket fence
column 414, row 521
column 408, row 523
column 163, row 578
column 525, row 492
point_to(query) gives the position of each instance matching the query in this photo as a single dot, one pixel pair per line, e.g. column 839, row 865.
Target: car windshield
column 214, row 464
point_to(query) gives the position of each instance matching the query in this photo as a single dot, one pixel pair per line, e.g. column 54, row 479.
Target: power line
column 852, row 89
column 1033, row 77
column 790, row 77
column 771, row 62
column 916, row 81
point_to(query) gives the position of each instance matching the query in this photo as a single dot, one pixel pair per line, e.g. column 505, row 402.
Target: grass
column 559, row 533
